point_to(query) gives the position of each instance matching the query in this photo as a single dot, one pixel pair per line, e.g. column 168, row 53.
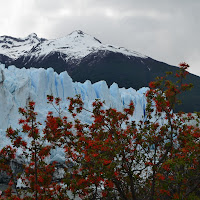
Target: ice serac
column 116, row 97
column 19, row 86
column 102, row 92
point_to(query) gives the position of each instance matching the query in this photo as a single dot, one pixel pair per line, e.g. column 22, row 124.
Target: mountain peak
column 32, row 35
column 79, row 32
column 33, row 38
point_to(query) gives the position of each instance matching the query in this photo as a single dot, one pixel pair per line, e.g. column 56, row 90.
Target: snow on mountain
column 19, row 86
column 16, row 47
column 73, row 46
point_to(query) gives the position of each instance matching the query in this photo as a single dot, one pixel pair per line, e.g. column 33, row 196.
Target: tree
column 114, row 157
column 38, row 173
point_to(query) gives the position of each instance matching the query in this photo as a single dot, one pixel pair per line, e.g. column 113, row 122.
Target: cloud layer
column 164, row 30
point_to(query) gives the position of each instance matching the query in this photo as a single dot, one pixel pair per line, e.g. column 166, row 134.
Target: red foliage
column 113, row 156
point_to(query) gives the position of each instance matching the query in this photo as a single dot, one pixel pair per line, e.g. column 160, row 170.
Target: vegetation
column 114, row 157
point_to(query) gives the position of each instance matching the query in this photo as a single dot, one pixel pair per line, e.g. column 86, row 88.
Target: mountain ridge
column 75, row 45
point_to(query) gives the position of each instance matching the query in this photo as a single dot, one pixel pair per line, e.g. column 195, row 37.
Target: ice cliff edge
column 19, row 86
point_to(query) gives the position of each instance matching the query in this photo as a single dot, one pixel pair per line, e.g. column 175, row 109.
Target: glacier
column 19, row 86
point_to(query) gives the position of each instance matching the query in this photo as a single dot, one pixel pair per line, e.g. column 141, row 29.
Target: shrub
column 114, row 157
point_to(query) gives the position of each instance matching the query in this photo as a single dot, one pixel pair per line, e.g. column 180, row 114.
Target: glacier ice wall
column 19, row 86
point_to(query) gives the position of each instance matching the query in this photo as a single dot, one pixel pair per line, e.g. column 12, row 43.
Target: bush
column 114, row 157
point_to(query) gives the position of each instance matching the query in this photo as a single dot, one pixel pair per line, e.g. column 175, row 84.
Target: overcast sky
column 166, row 30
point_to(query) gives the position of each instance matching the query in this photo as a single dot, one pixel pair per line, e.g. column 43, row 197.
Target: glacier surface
column 19, row 86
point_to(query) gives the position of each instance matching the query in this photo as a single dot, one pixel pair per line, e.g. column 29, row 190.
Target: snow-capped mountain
column 72, row 47
column 84, row 57
column 16, row 47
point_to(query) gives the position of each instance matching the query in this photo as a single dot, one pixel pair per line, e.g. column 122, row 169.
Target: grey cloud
column 49, row 5
column 165, row 30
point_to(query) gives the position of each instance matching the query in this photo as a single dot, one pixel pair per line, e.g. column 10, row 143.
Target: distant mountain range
column 85, row 58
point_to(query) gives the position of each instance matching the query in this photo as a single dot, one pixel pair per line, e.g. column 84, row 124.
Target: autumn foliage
column 114, row 157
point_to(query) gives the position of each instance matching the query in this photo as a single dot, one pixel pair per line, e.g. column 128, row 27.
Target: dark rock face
column 5, row 59
column 53, row 60
column 127, row 71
